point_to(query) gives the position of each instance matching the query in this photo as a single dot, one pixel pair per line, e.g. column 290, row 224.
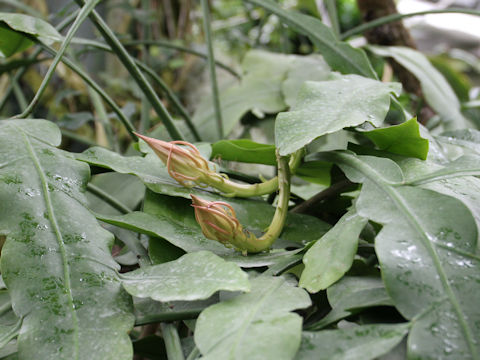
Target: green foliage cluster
column 102, row 257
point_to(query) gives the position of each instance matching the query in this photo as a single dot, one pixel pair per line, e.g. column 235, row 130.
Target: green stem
column 22, row 102
column 278, row 221
column 145, row 113
column 172, row 342
column 33, row 59
column 82, row 15
column 233, row 189
column 211, row 65
column 135, row 72
column 102, row 116
column 121, row 116
column 109, row 199
column 395, row 17
column 168, row 92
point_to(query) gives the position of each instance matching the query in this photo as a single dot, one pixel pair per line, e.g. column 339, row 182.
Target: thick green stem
column 82, row 15
column 255, row 245
column 135, row 72
column 172, row 342
column 211, row 65
column 233, row 189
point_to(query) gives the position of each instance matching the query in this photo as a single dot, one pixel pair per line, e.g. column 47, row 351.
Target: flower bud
column 219, row 222
column 185, row 165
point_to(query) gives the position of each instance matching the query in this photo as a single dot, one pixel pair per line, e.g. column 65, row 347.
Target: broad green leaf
column 194, row 276
column 340, row 56
column 350, row 295
column 306, row 68
column 328, row 106
column 13, row 30
column 56, row 261
column 332, row 255
column 436, row 89
column 427, row 250
column 244, row 150
column 357, row 342
column 403, row 139
column 460, row 167
column 261, row 89
column 256, row 325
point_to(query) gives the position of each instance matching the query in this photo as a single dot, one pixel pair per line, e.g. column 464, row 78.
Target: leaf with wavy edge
column 427, row 251
column 194, row 276
column 257, row 325
column 56, row 261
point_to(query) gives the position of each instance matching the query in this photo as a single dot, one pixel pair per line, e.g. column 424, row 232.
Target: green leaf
column 427, row 250
column 350, row 295
column 56, row 260
column 340, row 56
column 13, row 30
column 436, row 89
column 332, row 255
column 244, row 150
column 194, row 276
column 357, row 342
column 267, row 83
column 317, row 172
column 403, row 139
column 256, row 325
column 329, row 106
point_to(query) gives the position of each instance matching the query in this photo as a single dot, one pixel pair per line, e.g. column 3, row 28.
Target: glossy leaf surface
column 358, row 342
column 56, row 261
column 13, row 30
column 428, row 254
column 256, row 325
column 328, row 106
column 194, row 276
column 332, row 255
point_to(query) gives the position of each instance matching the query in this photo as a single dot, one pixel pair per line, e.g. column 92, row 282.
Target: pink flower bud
column 185, row 165
column 219, row 222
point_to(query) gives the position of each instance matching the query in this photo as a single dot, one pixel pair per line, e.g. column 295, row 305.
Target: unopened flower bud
column 185, row 165
column 219, row 222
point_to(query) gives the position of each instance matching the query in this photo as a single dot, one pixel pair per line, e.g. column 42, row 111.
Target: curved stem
column 172, row 341
column 395, row 17
column 135, row 72
column 278, row 221
column 109, row 199
column 82, row 15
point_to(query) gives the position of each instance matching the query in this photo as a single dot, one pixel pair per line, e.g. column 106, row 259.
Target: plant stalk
column 211, row 65
column 172, row 341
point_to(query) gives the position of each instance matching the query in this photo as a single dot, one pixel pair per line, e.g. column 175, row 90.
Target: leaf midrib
column 59, row 238
column 400, row 204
